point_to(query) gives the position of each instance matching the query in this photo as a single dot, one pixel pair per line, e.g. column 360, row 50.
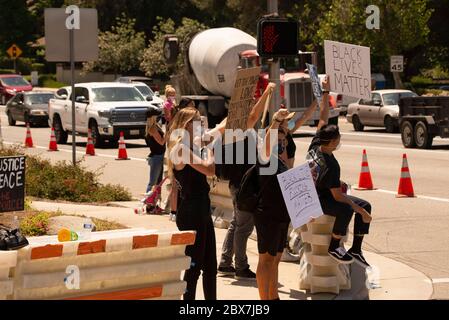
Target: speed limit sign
column 397, row 63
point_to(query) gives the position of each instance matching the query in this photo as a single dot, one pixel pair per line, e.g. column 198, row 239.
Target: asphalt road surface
column 413, row 230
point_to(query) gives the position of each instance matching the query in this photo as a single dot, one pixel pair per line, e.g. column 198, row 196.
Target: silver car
column 382, row 110
column 29, row 107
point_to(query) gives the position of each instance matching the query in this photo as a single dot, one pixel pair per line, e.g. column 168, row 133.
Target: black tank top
column 192, row 184
column 155, row 147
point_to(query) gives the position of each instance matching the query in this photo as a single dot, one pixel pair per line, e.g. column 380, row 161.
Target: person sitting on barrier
column 189, row 165
column 271, row 217
column 329, row 187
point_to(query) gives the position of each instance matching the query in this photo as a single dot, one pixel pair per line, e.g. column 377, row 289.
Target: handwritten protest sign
column 349, row 69
column 316, row 85
column 242, row 98
column 300, row 196
column 12, row 184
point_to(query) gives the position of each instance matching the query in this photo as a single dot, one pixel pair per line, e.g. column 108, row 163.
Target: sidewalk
column 397, row 280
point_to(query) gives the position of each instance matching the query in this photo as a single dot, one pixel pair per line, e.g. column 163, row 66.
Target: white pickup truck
column 105, row 108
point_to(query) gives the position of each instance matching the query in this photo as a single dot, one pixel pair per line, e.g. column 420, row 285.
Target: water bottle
column 86, row 231
column 15, row 224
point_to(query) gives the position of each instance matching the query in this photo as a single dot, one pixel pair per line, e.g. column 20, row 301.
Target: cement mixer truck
column 212, row 58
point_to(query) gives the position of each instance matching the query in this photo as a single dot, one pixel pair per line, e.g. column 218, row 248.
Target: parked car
column 146, row 91
column 107, row 108
column 446, row 88
column 29, row 107
column 10, row 84
column 148, row 81
column 382, row 110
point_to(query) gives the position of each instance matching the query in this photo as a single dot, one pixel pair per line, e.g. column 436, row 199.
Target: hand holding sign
column 313, row 72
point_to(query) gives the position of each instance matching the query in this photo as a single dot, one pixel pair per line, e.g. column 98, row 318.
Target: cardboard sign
column 300, row 196
column 12, row 184
column 242, row 99
column 316, row 85
column 349, row 69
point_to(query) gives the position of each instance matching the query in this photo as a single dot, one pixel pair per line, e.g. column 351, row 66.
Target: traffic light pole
column 275, row 74
column 72, row 71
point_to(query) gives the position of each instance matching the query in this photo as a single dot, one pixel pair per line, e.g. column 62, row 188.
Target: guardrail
column 119, row 265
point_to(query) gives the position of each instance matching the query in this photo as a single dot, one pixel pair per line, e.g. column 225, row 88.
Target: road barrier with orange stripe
column 8, row 260
column 118, row 265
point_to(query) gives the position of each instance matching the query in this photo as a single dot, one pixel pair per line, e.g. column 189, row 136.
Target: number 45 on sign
column 397, row 63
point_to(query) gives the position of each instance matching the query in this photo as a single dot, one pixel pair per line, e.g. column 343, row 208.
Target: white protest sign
column 242, row 99
column 349, row 69
column 300, row 196
column 316, row 85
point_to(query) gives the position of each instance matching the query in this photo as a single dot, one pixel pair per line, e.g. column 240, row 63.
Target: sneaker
column 245, row 274
column 287, row 256
column 340, row 255
column 226, row 271
column 359, row 258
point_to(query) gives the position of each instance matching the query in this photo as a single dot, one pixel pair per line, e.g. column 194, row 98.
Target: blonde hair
column 180, row 121
column 151, row 123
column 169, row 90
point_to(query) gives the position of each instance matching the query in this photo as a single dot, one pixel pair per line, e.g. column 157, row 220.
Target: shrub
column 63, row 181
column 35, row 224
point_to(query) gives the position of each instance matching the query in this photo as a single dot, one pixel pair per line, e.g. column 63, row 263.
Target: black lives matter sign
column 12, row 184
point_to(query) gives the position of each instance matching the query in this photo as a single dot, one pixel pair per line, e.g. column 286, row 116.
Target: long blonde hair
column 180, row 121
column 169, row 90
column 151, row 123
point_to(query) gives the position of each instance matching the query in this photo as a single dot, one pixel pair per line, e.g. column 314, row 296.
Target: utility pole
column 275, row 74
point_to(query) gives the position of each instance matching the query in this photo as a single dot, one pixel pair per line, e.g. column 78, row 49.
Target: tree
column 403, row 28
column 120, row 50
column 153, row 58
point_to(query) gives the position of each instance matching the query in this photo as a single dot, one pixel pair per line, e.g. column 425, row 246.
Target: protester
column 156, row 141
column 194, row 212
column 329, row 187
column 287, row 255
column 169, row 104
column 272, row 218
column 242, row 223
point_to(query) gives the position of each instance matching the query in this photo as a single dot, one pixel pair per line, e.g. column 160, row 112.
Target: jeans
column 156, row 163
column 242, row 225
column 343, row 214
column 194, row 214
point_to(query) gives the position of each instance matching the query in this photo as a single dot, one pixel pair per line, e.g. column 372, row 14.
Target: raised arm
column 305, row 116
column 259, row 107
column 277, row 119
column 324, row 107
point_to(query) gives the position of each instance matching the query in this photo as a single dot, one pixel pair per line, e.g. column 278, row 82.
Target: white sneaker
column 287, row 256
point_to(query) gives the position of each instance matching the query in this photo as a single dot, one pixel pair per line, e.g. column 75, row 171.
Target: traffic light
column 277, row 37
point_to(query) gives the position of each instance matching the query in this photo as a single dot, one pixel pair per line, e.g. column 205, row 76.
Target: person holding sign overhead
column 329, row 187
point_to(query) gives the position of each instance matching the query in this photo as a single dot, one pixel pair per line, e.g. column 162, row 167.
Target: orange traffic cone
column 90, row 148
column 29, row 139
column 53, row 145
column 365, row 181
column 405, row 183
column 122, row 154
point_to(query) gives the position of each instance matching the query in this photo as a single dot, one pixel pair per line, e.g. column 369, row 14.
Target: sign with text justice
column 242, row 99
column 12, row 184
column 349, row 69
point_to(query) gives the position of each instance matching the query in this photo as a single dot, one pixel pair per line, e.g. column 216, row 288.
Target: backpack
column 248, row 195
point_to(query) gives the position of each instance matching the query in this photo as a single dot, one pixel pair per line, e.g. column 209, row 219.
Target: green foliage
column 153, row 58
column 35, row 225
column 63, row 181
column 120, row 49
column 436, row 73
column 420, row 81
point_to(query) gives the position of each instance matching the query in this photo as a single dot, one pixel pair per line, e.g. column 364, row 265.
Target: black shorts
column 271, row 235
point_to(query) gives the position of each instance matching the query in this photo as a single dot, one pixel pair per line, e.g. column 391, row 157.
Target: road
column 413, row 230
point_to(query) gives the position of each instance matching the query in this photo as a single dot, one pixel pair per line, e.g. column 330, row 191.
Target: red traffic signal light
column 277, row 37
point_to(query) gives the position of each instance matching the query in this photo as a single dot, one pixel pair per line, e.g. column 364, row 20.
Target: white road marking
column 437, row 280
column 418, row 196
column 80, row 152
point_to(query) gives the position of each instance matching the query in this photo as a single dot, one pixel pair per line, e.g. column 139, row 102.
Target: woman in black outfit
column 156, row 141
column 189, row 165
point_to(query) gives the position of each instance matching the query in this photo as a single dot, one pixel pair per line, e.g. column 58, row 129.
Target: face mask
column 281, row 148
column 338, row 147
column 171, row 99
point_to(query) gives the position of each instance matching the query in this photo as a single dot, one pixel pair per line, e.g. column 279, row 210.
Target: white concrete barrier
column 118, row 265
column 8, row 260
column 318, row 271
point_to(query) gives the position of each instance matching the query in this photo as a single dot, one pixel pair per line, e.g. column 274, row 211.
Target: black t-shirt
column 330, row 177
column 291, row 146
column 155, row 147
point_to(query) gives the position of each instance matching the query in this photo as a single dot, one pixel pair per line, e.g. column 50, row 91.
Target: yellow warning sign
column 14, row 51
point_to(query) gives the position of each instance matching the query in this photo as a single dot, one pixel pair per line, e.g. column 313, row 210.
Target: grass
column 63, row 181
column 48, row 81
